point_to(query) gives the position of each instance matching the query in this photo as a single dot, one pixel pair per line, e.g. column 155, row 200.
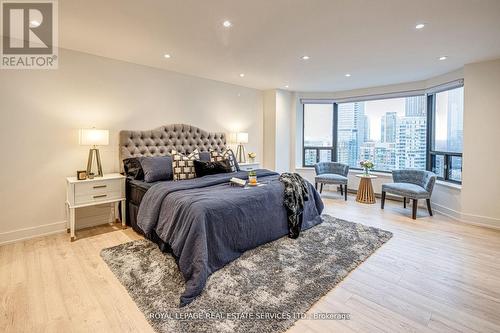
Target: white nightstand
column 83, row 193
column 249, row 166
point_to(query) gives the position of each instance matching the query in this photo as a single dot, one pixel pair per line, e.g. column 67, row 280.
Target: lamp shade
column 232, row 137
column 93, row 137
column 242, row 137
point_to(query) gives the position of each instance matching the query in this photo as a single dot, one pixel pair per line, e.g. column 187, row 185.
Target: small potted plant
column 251, row 157
column 252, row 177
column 367, row 165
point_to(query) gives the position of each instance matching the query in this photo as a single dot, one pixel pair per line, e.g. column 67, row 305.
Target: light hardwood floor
column 434, row 275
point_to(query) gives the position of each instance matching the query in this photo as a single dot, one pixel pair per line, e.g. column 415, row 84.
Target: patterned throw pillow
column 227, row 154
column 183, row 166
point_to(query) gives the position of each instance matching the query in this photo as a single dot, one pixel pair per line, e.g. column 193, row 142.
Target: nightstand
column 249, row 166
column 90, row 192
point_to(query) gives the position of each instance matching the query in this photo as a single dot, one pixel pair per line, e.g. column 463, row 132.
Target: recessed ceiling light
column 242, row 75
column 227, row 24
column 348, row 75
column 34, row 24
column 286, row 86
column 167, row 56
column 420, row 26
column 443, row 58
column 305, row 57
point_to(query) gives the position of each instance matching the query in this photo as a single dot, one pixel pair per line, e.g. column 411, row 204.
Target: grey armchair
column 332, row 173
column 411, row 184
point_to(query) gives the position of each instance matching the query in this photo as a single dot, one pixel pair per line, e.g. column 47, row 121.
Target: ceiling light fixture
column 227, row 24
column 305, row 57
column 348, row 75
column 167, row 56
column 286, row 86
column 443, row 58
column 242, row 75
column 34, row 24
column 420, row 26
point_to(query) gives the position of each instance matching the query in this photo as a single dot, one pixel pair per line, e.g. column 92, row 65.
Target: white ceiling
column 374, row 40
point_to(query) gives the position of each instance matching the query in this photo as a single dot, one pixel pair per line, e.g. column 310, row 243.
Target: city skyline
column 390, row 132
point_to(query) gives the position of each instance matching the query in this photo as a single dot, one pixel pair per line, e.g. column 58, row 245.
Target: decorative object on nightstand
column 365, row 191
column 249, row 166
column 81, row 174
column 94, row 137
column 241, row 138
column 110, row 188
column 251, row 157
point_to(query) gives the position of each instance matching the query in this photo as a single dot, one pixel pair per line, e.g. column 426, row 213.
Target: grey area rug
column 265, row 290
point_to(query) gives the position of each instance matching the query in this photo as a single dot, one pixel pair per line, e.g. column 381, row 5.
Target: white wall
column 481, row 159
column 476, row 201
column 42, row 111
column 269, row 104
column 283, row 130
column 277, row 130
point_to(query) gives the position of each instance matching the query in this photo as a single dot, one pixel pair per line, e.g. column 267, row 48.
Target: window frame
column 430, row 135
column 431, row 131
column 332, row 148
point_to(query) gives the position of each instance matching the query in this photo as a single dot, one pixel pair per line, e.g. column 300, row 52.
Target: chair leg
column 414, row 209
column 429, row 206
column 316, row 186
column 404, row 202
column 341, row 189
column 345, row 192
column 321, row 188
column 382, row 202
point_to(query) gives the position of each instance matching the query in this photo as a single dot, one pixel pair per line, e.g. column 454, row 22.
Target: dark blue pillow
column 205, row 156
column 157, row 168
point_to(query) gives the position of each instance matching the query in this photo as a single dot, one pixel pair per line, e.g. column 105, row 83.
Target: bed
column 204, row 222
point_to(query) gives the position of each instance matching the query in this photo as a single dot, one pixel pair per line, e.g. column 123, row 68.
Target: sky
column 375, row 110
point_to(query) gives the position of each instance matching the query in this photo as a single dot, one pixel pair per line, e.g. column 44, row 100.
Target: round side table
column 365, row 191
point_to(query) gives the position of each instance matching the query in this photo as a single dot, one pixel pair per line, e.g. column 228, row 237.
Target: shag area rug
column 265, row 290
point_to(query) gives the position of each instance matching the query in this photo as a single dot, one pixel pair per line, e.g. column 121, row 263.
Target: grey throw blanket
column 295, row 194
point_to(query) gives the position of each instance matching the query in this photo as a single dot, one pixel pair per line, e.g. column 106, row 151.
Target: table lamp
column 94, row 137
column 241, row 138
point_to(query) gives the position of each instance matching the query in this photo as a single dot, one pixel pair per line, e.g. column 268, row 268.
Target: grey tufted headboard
column 160, row 141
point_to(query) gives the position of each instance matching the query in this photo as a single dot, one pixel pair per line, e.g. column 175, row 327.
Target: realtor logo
column 29, row 34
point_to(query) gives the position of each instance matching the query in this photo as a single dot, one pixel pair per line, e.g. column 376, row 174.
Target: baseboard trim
column 44, row 230
column 477, row 220
column 32, row 232
column 482, row 221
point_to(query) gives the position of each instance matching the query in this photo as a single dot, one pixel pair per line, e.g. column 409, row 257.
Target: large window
column 318, row 133
column 390, row 132
column 422, row 132
column 447, row 112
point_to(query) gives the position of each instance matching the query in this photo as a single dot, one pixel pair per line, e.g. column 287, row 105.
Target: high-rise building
column 351, row 131
column 411, row 143
column 385, row 156
column 415, row 106
column 455, row 123
column 388, row 127
column 367, row 129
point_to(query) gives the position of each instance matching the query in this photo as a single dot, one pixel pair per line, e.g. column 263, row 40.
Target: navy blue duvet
column 207, row 223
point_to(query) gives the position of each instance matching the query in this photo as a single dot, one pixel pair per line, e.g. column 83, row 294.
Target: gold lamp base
column 92, row 152
column 240, row 154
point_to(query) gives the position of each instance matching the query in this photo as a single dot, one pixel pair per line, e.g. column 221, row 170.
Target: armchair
column 411, row 184
column 332, row 173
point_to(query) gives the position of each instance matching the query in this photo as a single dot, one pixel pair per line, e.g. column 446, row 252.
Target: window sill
column 448, row 184
column 387, row 175
column 375, row 173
